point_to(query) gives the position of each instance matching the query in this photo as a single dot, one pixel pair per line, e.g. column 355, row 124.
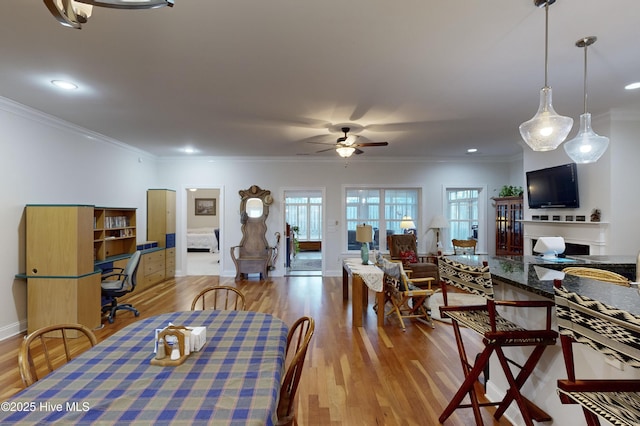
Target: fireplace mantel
column 593, row 234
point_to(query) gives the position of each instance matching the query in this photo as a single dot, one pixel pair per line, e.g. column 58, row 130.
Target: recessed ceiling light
column 66, row 85
column 633, row 86
column 472, row 150
column 189, row 150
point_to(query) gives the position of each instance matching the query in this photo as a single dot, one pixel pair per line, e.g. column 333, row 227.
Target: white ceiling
column 262, row 78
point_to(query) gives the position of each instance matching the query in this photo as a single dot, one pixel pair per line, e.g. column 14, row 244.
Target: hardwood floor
column 352, row 376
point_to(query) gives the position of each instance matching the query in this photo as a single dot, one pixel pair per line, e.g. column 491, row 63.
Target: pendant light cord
column 546, row 43
column 585, row 77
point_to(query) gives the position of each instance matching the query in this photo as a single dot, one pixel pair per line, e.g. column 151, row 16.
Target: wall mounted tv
column 553, row 187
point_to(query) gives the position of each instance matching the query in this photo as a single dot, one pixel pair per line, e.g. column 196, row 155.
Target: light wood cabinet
column 62, row 284
column 161, row 225
column 509, row 229
column 153, row 269
column 58, row 240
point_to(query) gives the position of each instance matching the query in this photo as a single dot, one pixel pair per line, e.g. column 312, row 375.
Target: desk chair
column 220, row 297
column 611, row 331
column 116, row 283
column 497, row 332
column 41, row 347
column 297, row 344
column 464, row 246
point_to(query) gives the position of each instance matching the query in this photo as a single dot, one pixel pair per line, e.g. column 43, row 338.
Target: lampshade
column 587, row 146
column 364, row 233
column 547, row 129
column 345, row 151
column 407, row 223
column 439, row 222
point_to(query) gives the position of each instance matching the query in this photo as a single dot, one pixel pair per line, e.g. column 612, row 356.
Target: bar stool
column 497, row 332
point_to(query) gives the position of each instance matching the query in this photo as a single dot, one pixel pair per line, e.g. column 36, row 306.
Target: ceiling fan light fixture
column 74, row 13
column 547, row 129
column 130, row 4
column 345, row 151
column 587, row 146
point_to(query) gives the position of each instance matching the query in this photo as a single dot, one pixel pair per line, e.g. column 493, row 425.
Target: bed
column 202, row 239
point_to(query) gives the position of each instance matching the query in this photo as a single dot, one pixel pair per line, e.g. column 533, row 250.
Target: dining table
column 233, row 380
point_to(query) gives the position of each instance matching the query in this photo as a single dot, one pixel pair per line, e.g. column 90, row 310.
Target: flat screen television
column 553, row 187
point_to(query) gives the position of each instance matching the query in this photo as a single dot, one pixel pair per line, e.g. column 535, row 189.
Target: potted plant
column 511, row 191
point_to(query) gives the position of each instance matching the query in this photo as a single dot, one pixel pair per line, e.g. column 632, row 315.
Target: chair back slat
column 611, row 331
column 473, row 279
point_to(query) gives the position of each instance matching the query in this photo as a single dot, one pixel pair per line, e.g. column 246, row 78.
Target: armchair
column 403, row 247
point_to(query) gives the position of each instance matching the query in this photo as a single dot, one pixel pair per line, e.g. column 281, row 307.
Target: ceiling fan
column 346, row 145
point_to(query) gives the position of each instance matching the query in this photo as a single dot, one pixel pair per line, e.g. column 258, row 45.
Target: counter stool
column 611, row 331
column 497, row 332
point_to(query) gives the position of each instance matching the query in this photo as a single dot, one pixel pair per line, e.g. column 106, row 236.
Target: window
column 305, row 212
column 463, row 213
column 382, row 208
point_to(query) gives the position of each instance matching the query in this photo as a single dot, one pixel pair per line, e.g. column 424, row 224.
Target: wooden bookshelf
column 114, row 232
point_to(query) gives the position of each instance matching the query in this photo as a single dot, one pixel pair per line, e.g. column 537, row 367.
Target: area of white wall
column 332, row 174
column 624, row 154
column 47, row 161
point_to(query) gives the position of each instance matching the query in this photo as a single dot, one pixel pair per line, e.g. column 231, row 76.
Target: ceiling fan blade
column 358, row 151
column 324, row 150
column 322, row 143
column 371, row 144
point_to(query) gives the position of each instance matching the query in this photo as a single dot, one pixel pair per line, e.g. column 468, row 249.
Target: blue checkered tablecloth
column 233, row 380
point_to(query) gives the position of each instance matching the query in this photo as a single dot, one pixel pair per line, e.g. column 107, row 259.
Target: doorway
column 303, row 232
column 203, row 231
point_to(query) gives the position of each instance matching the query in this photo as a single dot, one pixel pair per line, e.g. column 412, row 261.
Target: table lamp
column 438, row 222
column 364, row 235
column 407, row 224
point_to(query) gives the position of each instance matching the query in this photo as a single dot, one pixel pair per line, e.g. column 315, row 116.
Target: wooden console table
column 362, row 278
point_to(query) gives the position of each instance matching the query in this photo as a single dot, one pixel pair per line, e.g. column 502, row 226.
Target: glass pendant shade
column 345, row 151
column 547, row 129
column 587, row 146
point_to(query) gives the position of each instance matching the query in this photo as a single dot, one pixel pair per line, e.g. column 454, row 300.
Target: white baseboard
column 13, row 329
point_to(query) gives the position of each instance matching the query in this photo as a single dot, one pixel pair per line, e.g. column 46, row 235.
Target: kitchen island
column 531, row 278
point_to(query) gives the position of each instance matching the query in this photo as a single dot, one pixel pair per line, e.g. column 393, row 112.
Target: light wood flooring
column 352, row 376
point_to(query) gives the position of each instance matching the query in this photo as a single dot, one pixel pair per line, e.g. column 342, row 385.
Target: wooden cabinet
column 161, row 225
column 509, row 215
column 114, row 232
column 62, row 284
column 153, row 269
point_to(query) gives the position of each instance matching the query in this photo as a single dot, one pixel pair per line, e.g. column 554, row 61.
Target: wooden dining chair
column 297, row 343
column 598, row 275
column 43, row 348
column 496, row 332
column 612, row 332
column 464, row 246
column 220, row 297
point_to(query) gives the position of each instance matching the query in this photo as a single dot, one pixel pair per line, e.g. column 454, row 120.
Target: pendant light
column 547, row 129
column 587, row 146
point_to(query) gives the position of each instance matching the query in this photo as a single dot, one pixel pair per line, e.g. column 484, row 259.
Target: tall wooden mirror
column 253, row 253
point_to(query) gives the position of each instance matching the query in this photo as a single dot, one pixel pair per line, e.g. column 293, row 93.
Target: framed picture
column 205, row 207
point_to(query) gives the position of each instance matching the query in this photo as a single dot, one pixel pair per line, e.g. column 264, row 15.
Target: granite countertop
column 536, row 275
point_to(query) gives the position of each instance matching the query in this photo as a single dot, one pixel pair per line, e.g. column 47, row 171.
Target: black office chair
column 116, row 283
